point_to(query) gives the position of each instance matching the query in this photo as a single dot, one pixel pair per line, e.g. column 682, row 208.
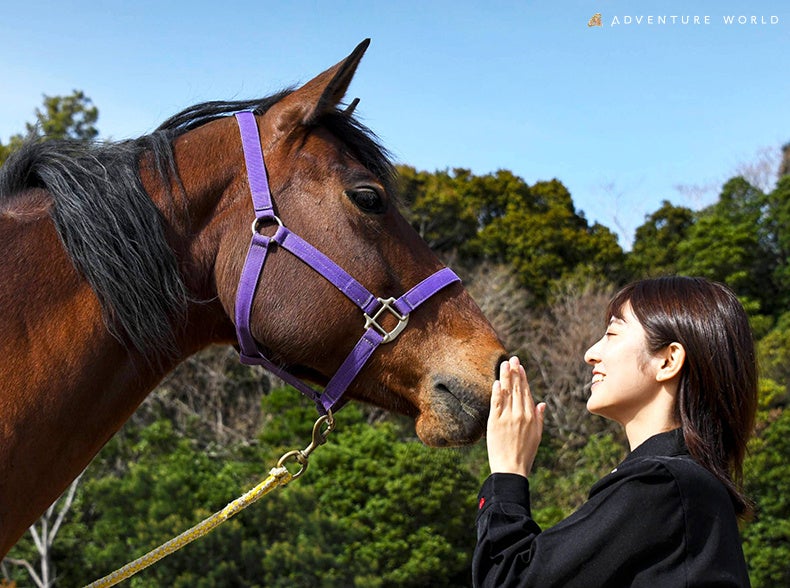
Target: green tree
column 448, row 208
column 14, row 143
column 778, row 222
column 774, row 352
column 499, row 218
column 766, row 539
column 730, row 242
column 66, row 117
column 374, row 509
column 656, row 242
column 437, row 209
column 544, row 238
column 784, row 165
column 149, row 486
column 60, row 117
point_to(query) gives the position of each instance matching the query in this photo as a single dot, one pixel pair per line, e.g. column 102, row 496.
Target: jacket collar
column 668, row 444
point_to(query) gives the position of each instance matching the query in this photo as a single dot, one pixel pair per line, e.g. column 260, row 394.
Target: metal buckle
column 259, row 222
column 371, row 321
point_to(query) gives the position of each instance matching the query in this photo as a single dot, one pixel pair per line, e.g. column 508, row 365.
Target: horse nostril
column 459, row 407
column 459, row 396
column 442, row 388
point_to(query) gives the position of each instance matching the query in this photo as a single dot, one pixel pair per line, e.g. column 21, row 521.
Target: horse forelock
column 360, row 140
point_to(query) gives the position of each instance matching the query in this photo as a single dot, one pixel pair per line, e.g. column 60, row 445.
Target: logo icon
column 595, row 21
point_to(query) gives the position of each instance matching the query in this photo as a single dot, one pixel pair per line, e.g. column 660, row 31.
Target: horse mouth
column 455, row 414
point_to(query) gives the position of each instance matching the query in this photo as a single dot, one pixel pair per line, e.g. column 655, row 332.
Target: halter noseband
column 372, row 307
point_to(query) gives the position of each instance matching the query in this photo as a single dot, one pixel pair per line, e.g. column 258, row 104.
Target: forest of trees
column 376, row 507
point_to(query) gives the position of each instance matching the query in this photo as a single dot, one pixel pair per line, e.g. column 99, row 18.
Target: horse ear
column 321, row 94
column 349, row 111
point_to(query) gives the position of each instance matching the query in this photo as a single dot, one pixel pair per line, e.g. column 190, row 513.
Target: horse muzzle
column 456, row 413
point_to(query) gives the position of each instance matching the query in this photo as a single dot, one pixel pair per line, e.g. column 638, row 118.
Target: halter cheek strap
column 372, row 307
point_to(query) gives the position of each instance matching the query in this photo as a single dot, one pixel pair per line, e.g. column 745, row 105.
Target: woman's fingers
column 541, row 410
column 511, row 391
column 515, row 423
column 514, row 384
column 497, row 399
column 505, row 377
column 524, row 390
column 530, row 407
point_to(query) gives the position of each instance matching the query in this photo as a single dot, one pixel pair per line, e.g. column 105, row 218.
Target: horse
column 121, row 259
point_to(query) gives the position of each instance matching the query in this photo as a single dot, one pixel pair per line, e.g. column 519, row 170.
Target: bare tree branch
column 30, row 570
column 43, row 533
column 761, row 170
column 555, row 340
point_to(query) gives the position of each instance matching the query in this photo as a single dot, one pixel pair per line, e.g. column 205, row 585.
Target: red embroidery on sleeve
column 481, row 503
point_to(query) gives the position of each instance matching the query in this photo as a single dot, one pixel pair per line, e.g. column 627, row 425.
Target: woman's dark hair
column 717, row 392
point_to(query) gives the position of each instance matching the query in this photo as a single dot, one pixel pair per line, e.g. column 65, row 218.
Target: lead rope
column 278, row 476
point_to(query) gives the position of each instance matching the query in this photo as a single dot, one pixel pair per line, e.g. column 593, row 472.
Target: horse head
column 333, row 185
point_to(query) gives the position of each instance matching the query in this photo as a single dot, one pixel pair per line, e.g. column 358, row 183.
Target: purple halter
column 372, row 307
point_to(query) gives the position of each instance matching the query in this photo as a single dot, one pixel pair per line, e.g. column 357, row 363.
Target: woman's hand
column 515, row 424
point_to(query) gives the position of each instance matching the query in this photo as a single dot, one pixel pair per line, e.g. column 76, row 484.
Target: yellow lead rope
column 278, row 476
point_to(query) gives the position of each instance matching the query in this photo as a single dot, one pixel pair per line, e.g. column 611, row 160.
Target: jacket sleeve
column 505, row 532
column 629, row 533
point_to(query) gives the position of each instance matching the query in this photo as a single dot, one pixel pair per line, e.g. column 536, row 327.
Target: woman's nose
column 592, row 355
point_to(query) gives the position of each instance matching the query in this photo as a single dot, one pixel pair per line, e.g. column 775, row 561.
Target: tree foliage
column 655, row 248
column 375, row 509
column 766, row 539
column 498, row 218
column 778, row 229
column 60, row 117
column 774, row 352
column 385, row 512
column 729, row 243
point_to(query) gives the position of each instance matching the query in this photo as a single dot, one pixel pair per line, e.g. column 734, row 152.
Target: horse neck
column 194, row 207
column 64, row 377
column 66, row 385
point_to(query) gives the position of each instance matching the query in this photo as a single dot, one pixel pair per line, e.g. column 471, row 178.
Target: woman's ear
column 673, row 357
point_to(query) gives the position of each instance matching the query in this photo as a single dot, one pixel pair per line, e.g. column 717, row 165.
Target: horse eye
column 367, row 200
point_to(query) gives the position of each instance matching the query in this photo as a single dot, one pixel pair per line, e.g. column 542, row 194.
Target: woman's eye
column 367, row 200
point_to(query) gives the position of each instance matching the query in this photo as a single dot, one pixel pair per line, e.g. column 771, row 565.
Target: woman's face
column 624, row 372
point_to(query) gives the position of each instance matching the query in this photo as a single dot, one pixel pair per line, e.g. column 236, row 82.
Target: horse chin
column 453, row 416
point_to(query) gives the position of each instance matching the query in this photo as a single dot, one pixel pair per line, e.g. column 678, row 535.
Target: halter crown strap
column 256, row 170
column 372, row 307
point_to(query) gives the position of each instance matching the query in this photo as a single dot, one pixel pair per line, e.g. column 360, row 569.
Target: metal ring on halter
column 258, row 222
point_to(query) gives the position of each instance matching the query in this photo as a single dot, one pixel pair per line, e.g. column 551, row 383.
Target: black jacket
column 658, row 520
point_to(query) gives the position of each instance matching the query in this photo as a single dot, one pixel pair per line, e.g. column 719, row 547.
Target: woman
column 676, row 368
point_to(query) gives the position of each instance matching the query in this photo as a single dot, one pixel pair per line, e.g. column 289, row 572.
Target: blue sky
column 622, row 114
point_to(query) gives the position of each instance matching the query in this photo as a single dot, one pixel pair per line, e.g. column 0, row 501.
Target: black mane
column 111, row 229
column 362, row 142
